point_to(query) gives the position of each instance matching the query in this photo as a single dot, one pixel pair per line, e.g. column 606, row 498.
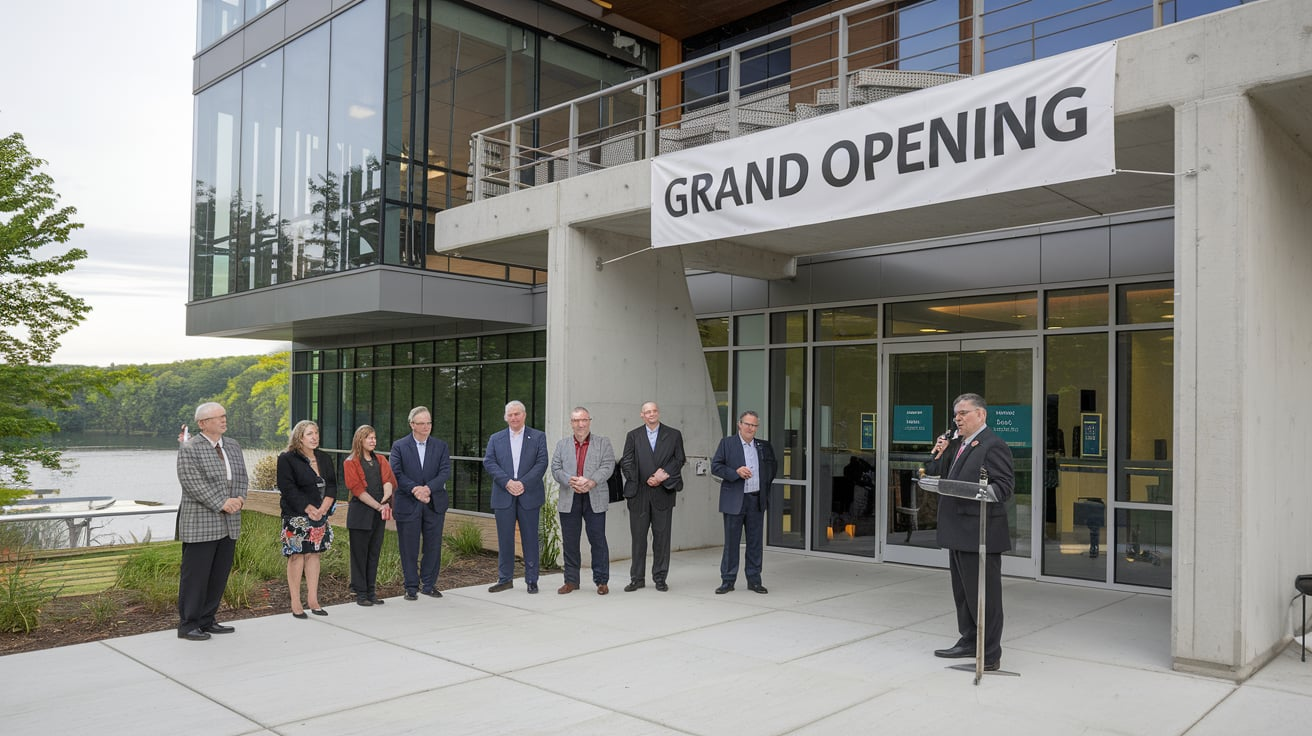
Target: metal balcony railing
column 879, row 50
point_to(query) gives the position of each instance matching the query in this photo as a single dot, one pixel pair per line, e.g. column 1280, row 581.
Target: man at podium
column 974, row 448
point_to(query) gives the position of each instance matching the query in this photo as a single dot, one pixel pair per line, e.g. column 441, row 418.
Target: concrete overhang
column 380, row 302
column 1260, row 50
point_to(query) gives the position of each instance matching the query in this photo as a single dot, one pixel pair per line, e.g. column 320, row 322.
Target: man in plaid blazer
column 212, row 473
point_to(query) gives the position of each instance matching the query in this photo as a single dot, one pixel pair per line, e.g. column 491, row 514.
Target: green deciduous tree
column 34, row 313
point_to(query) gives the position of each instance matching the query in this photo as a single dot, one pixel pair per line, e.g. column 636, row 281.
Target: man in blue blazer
column 517, row 459
column 746, row 468
column 422, row 465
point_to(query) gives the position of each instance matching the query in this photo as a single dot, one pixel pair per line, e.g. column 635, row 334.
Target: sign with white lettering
column 1032, row 125
column 1013, row 423
column 913, row 423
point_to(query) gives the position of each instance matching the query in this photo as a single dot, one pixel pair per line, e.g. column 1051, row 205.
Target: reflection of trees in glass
column 351, row 208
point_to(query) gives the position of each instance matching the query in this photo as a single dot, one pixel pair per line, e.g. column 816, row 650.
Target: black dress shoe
column 194, row 635
column 363, row 602
column 992, row 666
column 501, row 586
column 960, row 651
column 434, row 593
column 376, row 601
column 725, row 588
column 411, row 595
column 634, row 585
column 757, row 588
column 661, row 586
column 302, row 614
column 532, row 588
column 318, row 612
column 217, row 629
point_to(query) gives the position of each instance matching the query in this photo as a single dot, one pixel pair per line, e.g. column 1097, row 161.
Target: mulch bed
column 70, row 620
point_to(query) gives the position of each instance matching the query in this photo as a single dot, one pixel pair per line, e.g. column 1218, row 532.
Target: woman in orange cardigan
column 370, row 480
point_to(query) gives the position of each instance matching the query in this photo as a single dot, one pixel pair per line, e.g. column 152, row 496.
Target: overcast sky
column 102, row 92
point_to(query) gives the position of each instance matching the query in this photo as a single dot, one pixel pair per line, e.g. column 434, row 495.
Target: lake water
column 127, row 474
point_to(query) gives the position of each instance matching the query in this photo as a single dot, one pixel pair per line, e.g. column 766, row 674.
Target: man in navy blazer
column 422, row 465
column 517, row 459
column 653, row 473
column 746, row 468
column 975, row 448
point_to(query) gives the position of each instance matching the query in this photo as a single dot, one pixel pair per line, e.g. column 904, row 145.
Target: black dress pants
column 201, row 581
column 964, row 567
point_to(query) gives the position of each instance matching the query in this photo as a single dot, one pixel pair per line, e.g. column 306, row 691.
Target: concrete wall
column 1242, row 354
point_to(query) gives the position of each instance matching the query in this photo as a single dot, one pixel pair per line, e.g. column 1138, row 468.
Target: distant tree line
column 159, row 398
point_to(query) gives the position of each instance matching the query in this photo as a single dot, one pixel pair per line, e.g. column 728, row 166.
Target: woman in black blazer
column 307, row 481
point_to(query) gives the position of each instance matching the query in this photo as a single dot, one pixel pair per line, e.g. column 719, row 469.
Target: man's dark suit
column 742, row 510
column 416, row 520
column 958, row 532
column 651, row 507
column 525, row 508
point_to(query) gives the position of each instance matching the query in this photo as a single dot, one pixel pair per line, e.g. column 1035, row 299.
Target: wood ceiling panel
column 684, row 18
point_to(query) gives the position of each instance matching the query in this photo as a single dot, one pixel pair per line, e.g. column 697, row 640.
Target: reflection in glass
column 788, row 327
column 983, row 313
column 1076, row 308
column 216, row 19
column 257, row 202
column 1138, row 304
column 787, row 425
column 1143, row 547
column 1074, row 469
column 846, row 394
column 304, row 155
column 714, row 332
column 847, row 323
column 352, row 188
column 749, row 329
column 215, row 173
column 717, row 366
column 1145, row 405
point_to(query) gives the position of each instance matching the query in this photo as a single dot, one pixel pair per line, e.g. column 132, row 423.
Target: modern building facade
column 450, row 204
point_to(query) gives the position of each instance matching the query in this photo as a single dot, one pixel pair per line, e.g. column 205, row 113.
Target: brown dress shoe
column 567, row 588
column 603, row 589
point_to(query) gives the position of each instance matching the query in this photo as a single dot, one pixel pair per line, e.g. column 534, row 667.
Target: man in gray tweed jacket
column 212, row 472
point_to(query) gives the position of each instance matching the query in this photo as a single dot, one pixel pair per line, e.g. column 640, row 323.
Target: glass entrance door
column 922, row 380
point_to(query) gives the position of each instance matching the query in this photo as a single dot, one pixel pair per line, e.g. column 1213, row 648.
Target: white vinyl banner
column 1041, row 123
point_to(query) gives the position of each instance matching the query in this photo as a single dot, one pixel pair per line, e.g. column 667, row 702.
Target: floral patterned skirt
column 300, row 535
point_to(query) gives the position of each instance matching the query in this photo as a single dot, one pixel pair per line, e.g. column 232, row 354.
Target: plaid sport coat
column 205, row 486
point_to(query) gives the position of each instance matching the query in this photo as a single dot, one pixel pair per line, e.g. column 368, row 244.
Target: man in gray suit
column 212, row 472
column 582, row 464
column 653, row 466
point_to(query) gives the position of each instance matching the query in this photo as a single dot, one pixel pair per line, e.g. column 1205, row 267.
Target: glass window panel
column 300, row 360
column 520, row 385
column 714, row 332
column 444, row 351
column 216, row 19
column 1075, row 465
column 330, row 359
column 257, row 203
column 467, row 349
column 749, row 329
column 390, row 415
column 788, row 327
column 847, row 323
column 539, row 405
column 1145, row 406
column 358, row 388
column 468, row 439
column 749, row 387
column 845, row 509
column 330, row 407
column 403, row 353
column 519, row 345
column 494, row 347
column 357, row 357
column 984, row 313
column 423, row 352
column 788, row 411
column 717, row 365
column 443, row 404
column 1138, row 304
column 493, row 403
column 216, row 137
column 355, row 137
column 1143, row 547
column 540, row 344
column 382, row 356
column 305, row 226
column 1076, row 308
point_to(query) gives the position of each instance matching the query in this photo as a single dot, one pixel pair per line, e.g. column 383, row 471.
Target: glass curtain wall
column 286, row 161
column 465, row 382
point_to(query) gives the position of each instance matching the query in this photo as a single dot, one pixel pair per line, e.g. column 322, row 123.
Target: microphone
column 949, row 435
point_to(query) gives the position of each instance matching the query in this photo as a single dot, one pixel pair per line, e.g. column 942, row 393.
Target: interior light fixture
column 602, row 4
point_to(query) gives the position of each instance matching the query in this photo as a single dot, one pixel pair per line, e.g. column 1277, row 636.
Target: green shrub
column 389, row 561
column 103, row 609
column 152, row 565
column 259, row 548
column 158, row 596
column 465, row 540
column 21, row 598
column 264, row 476
column 549, row 530
column 242, row 589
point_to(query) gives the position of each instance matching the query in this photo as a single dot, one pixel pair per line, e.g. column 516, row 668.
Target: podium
column 985, row 494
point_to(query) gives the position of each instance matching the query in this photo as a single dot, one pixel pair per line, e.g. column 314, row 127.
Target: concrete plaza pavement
column 835, row 647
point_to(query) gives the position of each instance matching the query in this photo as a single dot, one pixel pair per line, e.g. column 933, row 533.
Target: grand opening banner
column 1037, row 124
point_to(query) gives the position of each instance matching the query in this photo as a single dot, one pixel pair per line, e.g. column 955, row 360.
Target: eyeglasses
column 206, row 419
column 421, row 424
column 745, row 424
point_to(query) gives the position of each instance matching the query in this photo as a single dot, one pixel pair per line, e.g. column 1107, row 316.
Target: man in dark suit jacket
column 976, row 447
column 422, row 465
column 653, row 465
column 746, row 468
column 212, row 473
column 516, row 458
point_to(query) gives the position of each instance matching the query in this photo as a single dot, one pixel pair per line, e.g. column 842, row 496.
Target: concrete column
column 1243, row 350
column 620, row 336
